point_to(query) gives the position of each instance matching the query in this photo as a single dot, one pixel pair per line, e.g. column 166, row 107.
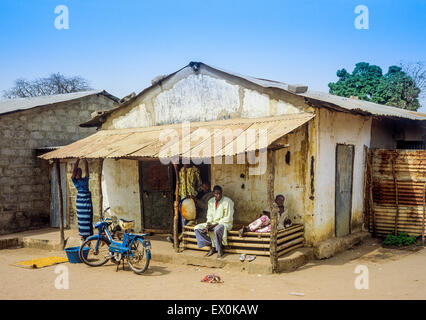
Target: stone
column 330, row 247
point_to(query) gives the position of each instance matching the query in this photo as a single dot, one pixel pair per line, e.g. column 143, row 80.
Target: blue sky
column 120, row 46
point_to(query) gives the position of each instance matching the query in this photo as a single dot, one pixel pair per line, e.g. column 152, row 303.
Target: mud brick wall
column 25, row 179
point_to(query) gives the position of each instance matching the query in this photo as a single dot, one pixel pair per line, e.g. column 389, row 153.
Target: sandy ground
column 392, row 274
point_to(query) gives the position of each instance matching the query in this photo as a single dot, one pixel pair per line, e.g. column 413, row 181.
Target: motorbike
column 102, row 247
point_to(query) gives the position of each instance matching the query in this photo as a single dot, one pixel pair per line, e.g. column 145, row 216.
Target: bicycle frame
column 124, row 247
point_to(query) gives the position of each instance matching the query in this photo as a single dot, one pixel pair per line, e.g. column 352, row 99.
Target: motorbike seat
column 126, row 224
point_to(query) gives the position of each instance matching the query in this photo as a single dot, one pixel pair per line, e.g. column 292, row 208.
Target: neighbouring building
column 316, row 148
column 30, row 127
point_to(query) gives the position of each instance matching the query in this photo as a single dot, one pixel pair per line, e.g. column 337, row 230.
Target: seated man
column 263, row 224
column 220, row 214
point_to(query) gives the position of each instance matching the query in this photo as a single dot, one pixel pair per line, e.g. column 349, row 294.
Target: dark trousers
column 203, row 238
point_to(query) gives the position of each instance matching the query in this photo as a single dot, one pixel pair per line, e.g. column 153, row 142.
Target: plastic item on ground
column 72, row 254
column 242, row 257
column 41, row 262
column 251, row 258
column 212, row 278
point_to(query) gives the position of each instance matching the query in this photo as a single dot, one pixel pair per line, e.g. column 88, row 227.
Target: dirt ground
column 392, row 274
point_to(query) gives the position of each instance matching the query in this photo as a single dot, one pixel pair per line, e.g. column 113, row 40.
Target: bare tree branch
column 56, row 83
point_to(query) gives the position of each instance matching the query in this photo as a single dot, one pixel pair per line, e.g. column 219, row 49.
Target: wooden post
column 176, row 212
column 61, row 204
column 274, row 210
column 101, row 197
column 395, row 182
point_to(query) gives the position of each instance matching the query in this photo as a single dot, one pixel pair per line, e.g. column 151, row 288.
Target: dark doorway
column 343, row 191
column 157, row 195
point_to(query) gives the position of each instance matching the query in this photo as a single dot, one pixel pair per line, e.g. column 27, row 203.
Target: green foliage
column 401, row 240
column 367, row 82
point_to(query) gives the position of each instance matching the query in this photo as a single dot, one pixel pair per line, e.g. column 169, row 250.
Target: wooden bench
column 254, row 243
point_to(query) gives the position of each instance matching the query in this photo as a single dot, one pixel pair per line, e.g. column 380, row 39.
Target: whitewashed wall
column 198, row 97
column 120, row 189
column 334, row 128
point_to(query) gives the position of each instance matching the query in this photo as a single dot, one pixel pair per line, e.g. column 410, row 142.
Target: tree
column 417, row 71
column 56, row 83
column 367, row 82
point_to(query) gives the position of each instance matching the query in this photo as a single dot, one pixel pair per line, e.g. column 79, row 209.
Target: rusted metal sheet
column 398, row 201
column 148, row 142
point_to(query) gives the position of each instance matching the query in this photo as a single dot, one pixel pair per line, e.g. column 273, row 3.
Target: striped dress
column 84, row 207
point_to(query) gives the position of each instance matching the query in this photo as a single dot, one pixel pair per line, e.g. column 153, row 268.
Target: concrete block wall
column 25, row 179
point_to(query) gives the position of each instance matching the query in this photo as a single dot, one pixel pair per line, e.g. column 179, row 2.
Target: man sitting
column 263, row 224
column 220, row 214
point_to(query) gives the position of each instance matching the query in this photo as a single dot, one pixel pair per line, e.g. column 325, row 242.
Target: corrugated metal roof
column 366, row 107
column 352, row 105
column 15, row 105
column 200, row 136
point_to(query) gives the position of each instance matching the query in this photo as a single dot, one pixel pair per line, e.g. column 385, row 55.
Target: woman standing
column 84, row 200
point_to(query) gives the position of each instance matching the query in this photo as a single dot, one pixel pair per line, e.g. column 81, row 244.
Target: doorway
column 157, row 194
column 343, row 189
column 157, row 185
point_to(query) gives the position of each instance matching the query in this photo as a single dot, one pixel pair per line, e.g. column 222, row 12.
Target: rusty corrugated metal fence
column 396, row 179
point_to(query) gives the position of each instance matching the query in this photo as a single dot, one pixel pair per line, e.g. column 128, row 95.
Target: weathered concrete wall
column 294, row 178
column 120, row 190
column 24, row 179
column 386, row 132
column 248, row 192
column 120, row 186
column 334, row 128
column 200, row 97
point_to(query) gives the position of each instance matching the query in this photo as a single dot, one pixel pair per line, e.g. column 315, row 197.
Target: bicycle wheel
column 95, row 258
column 140, row 260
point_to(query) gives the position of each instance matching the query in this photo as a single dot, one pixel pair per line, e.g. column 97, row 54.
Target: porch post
column 101, row 197
column 61, row 215
column 176, row 212
column 274, row 211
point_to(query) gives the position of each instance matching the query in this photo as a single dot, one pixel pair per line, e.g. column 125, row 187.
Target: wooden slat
column 238, row 244
column 282, row 252
column 227, row 250
column 290, row 237
column 258, row 234
column 260, row 237
column 289, row 244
